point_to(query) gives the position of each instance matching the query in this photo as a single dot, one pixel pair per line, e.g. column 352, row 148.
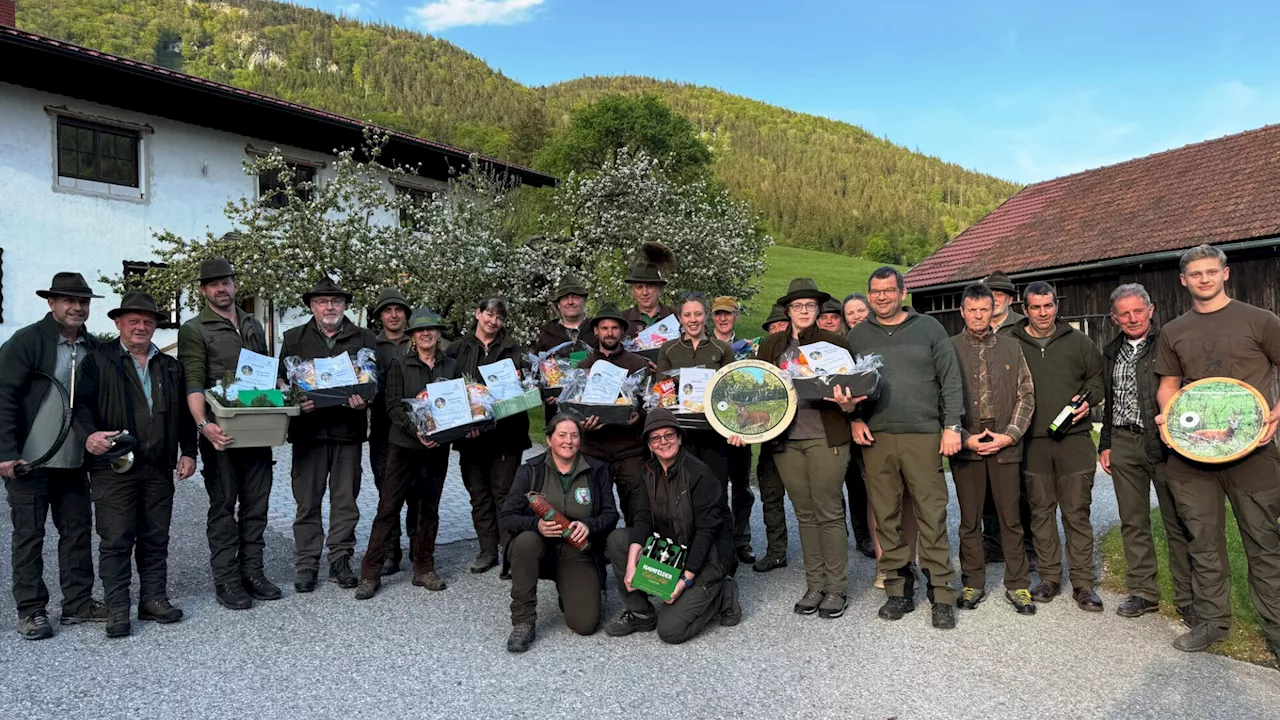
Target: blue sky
column 1022, row 90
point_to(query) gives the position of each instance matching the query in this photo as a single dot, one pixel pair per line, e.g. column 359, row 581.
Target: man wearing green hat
column 646, row 283
column 238, row 480
column 570, row 323
column 392, row 312
column 619, row 446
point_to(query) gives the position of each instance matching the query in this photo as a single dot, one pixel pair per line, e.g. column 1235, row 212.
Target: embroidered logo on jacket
column 582, row 496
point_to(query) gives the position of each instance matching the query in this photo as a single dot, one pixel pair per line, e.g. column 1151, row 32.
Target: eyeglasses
column 802, row 306
column 330, row 302
column 883, row 293
column 662, row 438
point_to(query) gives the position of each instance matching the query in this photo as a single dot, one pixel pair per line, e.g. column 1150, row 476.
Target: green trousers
column 814, row 477
column 1060, row 477
column 910, row 461
column 773, row 503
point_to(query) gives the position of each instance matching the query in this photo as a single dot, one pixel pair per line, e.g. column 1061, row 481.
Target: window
column 271, row 184
column 168, row 305
column 419, row 196
column 99, row 153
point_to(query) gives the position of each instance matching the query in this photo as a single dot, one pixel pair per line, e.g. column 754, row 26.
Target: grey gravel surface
column 408, row 653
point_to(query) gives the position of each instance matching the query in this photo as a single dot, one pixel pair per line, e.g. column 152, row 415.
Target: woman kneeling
column 682, row 500
column 581, row 490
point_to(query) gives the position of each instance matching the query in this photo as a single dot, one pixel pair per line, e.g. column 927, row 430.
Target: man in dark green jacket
column 31, row 416
column 327, row 443
column 914, row 422
column 1064, row 363
column 392, row 311
column 236, row 479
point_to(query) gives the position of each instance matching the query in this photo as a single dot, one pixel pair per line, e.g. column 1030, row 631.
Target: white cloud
column 351, row 9
column 445, row 14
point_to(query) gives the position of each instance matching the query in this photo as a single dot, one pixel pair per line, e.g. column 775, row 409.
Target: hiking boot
column 35, row 626
column 1021, row 601
column 304, row 581
column 1136, row 607
column 429, row 580
column 390, row 565
column 1200, row 638
column 367, row 588
column 832, row 606
column 118, row 622
column 895, row 607
column 867, row 547
column 730, row 610
column 1088, row 600
column 944, row 616
column 808, row 604
column 745, row 555
column 260, row 588
column 1187, row 613
column 521, row 637
column 878, row 583
column 769, row 562
column 1045, row 591
column 159, row 611
column 340, row 572
column 232, row 596
column 970, row 597
column 629, row 622
column 486, row 560
column 93, row 611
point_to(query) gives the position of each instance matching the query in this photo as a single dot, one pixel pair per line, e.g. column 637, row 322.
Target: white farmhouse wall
column 188, row 174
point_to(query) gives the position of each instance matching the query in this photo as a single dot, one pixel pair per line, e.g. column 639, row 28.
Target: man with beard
column 646, row 283
column 326, row 442
column 31, row 415
column 392, row 311
column 571, row 319
column 240, row 479
column 619, row 446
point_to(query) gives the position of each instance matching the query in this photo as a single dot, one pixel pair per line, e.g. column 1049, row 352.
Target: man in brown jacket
column 999, row 399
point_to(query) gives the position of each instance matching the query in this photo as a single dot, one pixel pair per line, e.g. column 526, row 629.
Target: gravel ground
column 410, row 653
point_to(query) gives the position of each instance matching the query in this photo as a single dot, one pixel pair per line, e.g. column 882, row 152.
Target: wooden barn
column 1089, row 232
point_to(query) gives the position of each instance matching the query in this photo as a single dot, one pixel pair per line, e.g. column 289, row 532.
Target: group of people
column 990, row 399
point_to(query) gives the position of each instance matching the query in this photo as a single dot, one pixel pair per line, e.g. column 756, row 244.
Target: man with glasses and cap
column 131, row 387
column 31, row 417
column 238, row 480
column 392, row 341
column 646, row 283
column 326, row 442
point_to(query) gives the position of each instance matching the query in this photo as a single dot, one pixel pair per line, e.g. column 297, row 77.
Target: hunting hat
column 138, row 302
column 425, row 319
column 831, row 306
column 802, row 289
column 214, row 269
column 724, row 303
column 653, row 258
column 390, row 296
column 68, row 284
column 326, row 288
column 776, row 314
column 609, row 312
column 999, row 281
column 658, row 419
column 569, row 285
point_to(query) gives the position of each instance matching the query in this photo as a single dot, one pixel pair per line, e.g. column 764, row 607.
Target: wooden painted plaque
column 1215, row 420
column 750, row 398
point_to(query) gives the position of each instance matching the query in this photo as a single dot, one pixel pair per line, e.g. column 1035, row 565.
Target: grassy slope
column 835, row 274
column 1246, row 641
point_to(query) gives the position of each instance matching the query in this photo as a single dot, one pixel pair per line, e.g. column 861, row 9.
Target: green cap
column 425, row 319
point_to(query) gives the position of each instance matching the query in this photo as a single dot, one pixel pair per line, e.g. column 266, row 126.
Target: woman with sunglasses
column 682, row 500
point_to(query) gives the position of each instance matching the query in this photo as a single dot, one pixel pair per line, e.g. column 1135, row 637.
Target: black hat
column 660, row 418
column 326, row 288
column 215, row 268
column 776, row 314
column 424, row 319
column 803, row 288
column 831, row 306
column 68, row 284
column 390, row 296
column 999, row 281
column 139, row 302
column 609, row 312
column 569, row 285
column 653, row 258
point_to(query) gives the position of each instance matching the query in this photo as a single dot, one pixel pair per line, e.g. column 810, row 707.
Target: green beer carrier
column 660, row 567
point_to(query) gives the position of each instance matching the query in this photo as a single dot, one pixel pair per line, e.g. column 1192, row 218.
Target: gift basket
column 328, row 382
column 681, row 393
column 450, row 410
column 551, row 367
column 745, row 349
column 579, row 396
column 816, row 372
column 650, row 339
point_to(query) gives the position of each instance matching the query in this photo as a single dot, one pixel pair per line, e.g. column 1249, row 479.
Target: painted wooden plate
column 750, row 398
column 1215, row 420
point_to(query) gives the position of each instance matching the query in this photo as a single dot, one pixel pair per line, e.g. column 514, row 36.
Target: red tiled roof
column 1213, row 192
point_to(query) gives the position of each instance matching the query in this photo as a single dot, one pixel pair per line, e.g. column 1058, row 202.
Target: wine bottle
column 1064, row 422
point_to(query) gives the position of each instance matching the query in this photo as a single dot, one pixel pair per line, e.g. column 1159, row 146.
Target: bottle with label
column 647, row 550
column 677, row 557
column 1063, row 422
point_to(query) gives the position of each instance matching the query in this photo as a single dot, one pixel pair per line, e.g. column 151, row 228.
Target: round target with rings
column 722, row 405
column 1189, row 419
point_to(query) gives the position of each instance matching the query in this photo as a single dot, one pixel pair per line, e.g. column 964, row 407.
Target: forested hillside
column 815, row 182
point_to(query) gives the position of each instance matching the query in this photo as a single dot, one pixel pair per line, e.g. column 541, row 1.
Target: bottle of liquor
column 667, row 547
column 1063, row 422
column 648, row 546
column 677, row 557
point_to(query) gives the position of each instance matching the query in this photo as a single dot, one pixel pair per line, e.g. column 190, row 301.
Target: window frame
column 134, row 137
